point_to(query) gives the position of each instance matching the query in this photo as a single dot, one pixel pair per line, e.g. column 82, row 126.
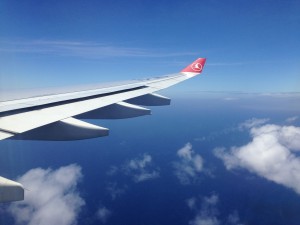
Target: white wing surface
column 57, row 116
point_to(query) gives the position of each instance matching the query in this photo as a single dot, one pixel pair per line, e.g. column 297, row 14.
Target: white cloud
column 140, row 163
column 204, row 220
column 191, row 202
column 112, row 171
column 211, row 200
column 103, row 214
column 141, row 168
column 234, row 219
column 189, row 166
column 143, row 176
column 272, row 154
column 114, row 190
column 230, row 99
column 52, row 197
column 207, row 213
column 292, row 119
column 254, row 122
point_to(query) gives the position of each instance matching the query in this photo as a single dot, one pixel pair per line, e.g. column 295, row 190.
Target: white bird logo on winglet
column 197, row 67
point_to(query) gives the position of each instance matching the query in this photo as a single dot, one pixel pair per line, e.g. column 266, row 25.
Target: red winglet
column 196, row 67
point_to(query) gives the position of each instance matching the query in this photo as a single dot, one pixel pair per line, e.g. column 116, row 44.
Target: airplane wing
column 58, row 116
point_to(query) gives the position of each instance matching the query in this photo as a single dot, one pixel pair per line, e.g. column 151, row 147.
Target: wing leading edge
column 58, row 116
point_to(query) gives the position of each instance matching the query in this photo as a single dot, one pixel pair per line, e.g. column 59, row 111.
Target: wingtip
column 196, row 67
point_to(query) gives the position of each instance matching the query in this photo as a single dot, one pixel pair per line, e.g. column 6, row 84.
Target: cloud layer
column 189, row 166
column 272, row 154
column 52, row 197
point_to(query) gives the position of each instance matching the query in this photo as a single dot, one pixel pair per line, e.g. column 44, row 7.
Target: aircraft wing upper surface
column 58, row 116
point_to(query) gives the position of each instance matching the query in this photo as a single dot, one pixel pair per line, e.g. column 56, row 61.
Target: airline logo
column 197, row 67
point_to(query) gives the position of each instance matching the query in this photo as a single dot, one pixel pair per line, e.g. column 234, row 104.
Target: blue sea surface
column 204, row 122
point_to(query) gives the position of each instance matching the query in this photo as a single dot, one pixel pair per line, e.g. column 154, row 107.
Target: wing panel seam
column 37, row 107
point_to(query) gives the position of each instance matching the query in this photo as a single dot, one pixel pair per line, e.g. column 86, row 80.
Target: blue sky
column 251, row 46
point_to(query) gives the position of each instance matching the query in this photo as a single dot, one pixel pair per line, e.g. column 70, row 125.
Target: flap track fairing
column 10, row 190
column 120, row 110
column 150, row 100
column 64, row 130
